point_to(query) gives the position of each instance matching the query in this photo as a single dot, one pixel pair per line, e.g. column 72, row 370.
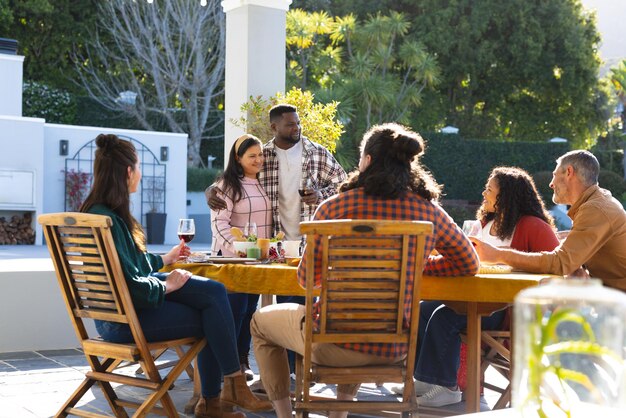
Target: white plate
column 229, row 260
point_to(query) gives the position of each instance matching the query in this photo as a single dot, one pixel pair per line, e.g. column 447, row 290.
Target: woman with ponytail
column 169, row 306
column 390, row 184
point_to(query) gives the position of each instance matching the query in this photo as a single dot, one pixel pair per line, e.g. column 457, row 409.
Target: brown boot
column 212, row 408
column 236, row 392
column 245, row 367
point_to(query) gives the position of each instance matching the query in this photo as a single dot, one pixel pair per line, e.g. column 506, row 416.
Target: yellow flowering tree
column 319, row 120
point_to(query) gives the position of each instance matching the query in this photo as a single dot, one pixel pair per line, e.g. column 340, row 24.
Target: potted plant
column 154, row 188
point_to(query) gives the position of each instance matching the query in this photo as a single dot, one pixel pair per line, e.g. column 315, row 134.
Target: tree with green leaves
column 48, row 34
column 512, row 70
column 319, row 120
column 310, row 58
column 374, row 68
column 518, row 69
column 618, row 79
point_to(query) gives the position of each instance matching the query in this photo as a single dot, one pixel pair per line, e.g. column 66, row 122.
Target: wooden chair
column 364, row 277
column 93, row 286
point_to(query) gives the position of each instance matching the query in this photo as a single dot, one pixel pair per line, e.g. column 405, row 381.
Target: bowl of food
column 241, row 248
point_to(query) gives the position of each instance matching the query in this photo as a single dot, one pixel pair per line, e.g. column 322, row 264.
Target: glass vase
column 568, row 354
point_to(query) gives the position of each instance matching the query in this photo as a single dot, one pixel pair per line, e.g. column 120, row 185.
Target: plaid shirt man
column 456, row 257
column 317, row 164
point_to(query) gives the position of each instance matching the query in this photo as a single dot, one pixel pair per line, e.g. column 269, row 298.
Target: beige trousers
column 276, row 328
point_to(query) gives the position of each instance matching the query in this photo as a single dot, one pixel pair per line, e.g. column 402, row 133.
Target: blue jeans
column 199, row 309
column 300, row 300
column 439, row 342
column 243, row 306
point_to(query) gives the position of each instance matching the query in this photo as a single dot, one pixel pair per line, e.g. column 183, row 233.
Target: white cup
column 292, row 248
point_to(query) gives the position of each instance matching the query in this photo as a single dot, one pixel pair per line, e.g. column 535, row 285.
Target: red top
column 533, row 235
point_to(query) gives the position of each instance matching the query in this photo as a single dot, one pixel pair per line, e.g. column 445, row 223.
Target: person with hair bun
column 169, row 305
column 246, row 202
column 390, row 184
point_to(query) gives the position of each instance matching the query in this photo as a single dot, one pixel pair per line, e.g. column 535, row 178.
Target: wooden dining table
column 477, row 295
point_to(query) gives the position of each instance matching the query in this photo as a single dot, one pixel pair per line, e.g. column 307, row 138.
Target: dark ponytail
column 394, row 169
column 110, row 182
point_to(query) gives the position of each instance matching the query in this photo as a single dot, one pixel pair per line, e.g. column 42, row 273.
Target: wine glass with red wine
column 307, row 188
column 186, row 230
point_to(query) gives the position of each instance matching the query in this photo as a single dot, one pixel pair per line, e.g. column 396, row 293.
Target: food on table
column 275, row 255
column 294, row 262
column 237, row 234
column 494, row 269
column 196, row 257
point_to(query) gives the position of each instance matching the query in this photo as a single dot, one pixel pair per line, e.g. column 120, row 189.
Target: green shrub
column 542, row 181
column 199, row 179
column 613, row 182
column 611, row 160
column 53, row 105
column 463, row 165
column 460, row 212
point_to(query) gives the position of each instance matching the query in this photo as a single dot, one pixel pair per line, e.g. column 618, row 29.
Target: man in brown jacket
column 596, row 245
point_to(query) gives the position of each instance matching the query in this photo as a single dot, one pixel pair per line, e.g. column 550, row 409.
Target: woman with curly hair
column 512, row 215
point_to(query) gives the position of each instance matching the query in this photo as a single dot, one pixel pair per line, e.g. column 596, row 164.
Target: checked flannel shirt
column 317, row 164
column 456, row 257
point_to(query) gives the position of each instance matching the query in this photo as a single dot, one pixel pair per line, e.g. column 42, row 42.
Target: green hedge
column 613, row 182
column 542, row 181
column 199, row 179
column 463, row 165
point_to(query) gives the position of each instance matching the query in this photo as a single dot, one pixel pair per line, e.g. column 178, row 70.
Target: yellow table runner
column 275, row 279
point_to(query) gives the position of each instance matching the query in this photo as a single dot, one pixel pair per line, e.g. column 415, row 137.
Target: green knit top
column 146, row 291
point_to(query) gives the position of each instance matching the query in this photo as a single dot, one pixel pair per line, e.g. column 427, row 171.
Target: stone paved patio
column 36, row 383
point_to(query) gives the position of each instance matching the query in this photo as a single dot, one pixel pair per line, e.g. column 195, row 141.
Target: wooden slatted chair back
column 87, row 262
column 364, row 279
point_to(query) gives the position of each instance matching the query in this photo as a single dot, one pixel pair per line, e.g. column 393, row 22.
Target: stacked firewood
column 18, row 230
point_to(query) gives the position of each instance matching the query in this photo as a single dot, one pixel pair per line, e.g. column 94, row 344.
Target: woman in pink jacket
column 246, row 202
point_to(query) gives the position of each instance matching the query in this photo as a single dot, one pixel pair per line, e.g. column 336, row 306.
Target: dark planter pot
column 155, row 223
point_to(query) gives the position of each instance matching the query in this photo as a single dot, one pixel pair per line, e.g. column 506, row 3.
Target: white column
column 255, row 56
column 11, row 84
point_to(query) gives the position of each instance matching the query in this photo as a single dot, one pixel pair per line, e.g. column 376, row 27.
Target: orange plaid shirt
column 456, row 257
